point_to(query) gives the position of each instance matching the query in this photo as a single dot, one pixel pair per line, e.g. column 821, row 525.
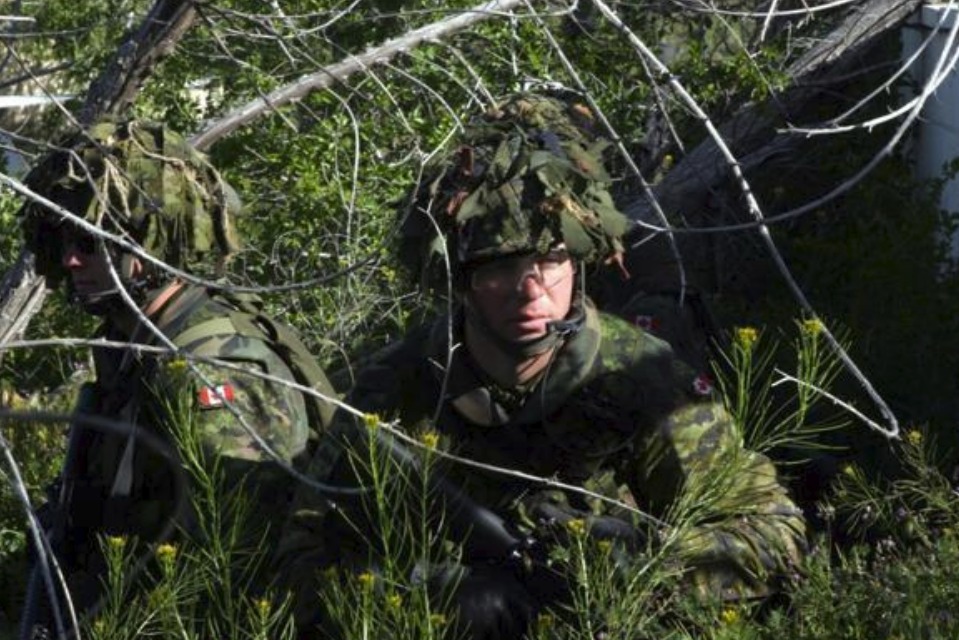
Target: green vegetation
column 322, row 179
column 883, row 566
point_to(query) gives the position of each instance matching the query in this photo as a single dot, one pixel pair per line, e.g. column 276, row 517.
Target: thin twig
column 618, row 142
column 836, row 401
column 340, row 71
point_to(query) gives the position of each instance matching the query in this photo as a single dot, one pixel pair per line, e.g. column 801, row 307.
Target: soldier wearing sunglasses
column 142, row 207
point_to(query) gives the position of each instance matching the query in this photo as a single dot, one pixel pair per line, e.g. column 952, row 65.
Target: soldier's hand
column 557, row 518
column 487, row 603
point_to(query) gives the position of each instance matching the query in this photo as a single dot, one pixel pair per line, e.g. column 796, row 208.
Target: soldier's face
column 518, row 296
column 84, row 260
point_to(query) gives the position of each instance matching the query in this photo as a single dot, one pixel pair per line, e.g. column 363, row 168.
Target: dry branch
column 24, row 291
column 752, row 132
column 114, row 90
column 338, row 72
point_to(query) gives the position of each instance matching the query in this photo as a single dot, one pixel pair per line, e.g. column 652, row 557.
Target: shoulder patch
column 214, row 397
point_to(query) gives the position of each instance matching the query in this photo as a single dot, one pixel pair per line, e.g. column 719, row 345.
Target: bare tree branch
column 34, row 74
column 686, row 187
column 338, row 72
column 23, row 294
column 114, row 90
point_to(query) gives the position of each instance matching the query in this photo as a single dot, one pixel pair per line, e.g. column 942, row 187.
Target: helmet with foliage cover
column 525, row 176
column 139, row 180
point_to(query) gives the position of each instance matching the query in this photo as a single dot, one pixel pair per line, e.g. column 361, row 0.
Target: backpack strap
column 308, row 372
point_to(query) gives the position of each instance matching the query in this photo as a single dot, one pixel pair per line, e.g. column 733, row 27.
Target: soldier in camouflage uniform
column 537, row 380
column 146, row 184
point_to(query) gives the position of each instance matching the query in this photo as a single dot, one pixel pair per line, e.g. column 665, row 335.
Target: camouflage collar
column 474, row 398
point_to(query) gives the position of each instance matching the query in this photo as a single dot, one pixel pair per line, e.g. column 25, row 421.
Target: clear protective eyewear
column 509, row 274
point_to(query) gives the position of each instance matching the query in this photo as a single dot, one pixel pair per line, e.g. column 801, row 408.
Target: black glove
column 555, row 518
column 486, row 603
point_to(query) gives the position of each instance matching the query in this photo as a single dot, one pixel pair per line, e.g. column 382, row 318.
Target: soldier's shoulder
column 209, row 325
column 683, row 318
column 649, row 360
column 628, row 344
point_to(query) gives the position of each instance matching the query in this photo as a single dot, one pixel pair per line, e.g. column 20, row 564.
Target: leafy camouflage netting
column 527, row 175
column 139, row 179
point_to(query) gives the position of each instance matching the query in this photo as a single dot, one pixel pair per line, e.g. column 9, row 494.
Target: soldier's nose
column 71, row 259
column 531, row 286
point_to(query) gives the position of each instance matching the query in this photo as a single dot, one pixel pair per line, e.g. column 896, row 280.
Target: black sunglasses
column 82, row 242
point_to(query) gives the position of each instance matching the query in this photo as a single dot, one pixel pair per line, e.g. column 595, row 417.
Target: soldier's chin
column 528, row 330
column 100, row 303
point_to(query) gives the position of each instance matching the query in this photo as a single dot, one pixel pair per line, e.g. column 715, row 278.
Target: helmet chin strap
column 557, row 331
column 102, row 303
column 97, row 304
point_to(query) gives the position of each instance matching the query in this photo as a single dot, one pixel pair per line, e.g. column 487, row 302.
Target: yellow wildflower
column 746, row 337
column 394, row 601
column 812, row 327
column 176, row 366
column 99, row 627
column 668, row 161
column 330, row 574
column 117, row 543
column 366, row 579
column 263, row 607
column 605, row 546
column 577, row 526
column 914, row 437
column 729, row 616
column 437, row 620
column 430, row 440
column 545, row 622
column 166, row 553
column 371, row 420
column 849, row 470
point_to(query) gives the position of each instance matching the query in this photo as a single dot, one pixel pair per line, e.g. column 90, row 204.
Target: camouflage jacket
column 615, row 412
column 124, row 486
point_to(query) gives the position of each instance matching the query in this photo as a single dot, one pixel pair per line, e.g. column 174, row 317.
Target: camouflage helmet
column 525, row 176
column 138, row 179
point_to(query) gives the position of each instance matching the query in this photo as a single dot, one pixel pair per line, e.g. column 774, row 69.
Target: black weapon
column 42, row 605
column 486, row 539
column 485, row 536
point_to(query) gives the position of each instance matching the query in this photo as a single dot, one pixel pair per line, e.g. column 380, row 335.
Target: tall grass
column 884, row 564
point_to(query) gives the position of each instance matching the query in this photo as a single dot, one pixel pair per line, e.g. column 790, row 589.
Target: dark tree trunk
column 702, row 178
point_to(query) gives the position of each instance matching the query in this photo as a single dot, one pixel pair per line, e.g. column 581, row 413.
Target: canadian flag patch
column 703, row 385
column 213, row 397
